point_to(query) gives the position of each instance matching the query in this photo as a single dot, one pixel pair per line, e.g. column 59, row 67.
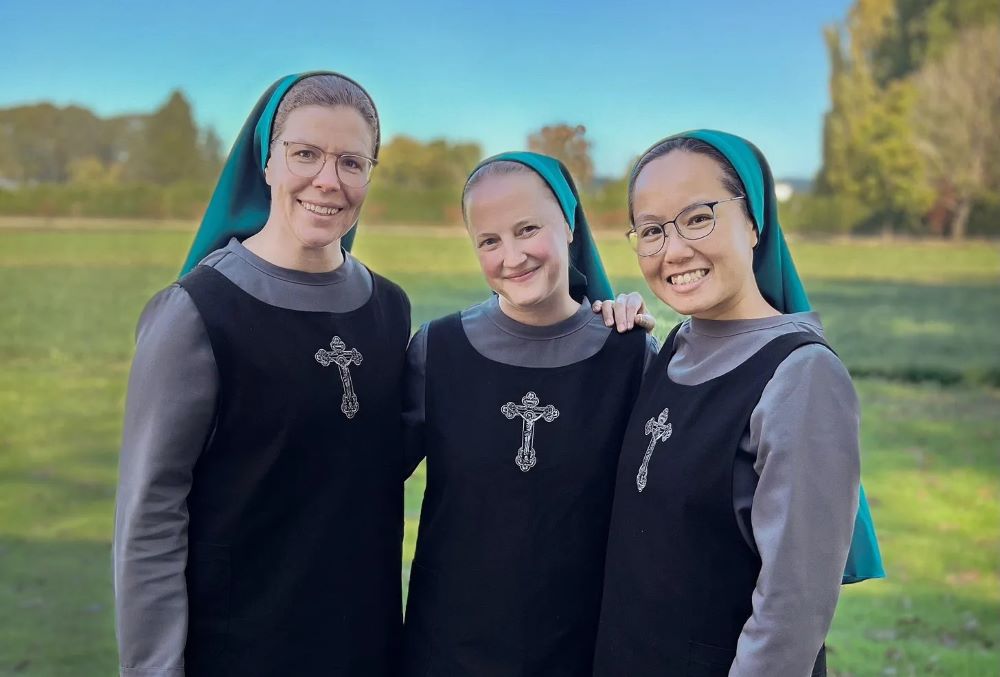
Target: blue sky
column 490, row 72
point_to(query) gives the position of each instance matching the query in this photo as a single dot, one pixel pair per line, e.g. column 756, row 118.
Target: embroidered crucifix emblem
column 343, row 358
column 530, row 412
column 660, row 431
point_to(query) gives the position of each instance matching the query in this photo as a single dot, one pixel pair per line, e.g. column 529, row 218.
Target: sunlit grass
column 67, row 316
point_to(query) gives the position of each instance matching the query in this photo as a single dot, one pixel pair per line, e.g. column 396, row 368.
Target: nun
column 259, row 507
column 736, row 513
column 518, row 404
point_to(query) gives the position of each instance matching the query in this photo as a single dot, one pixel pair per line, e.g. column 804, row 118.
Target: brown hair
column 328, row 89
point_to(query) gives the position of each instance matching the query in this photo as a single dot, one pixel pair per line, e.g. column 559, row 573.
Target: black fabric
column 296, row 509
column 507, row 576
column 680, row 576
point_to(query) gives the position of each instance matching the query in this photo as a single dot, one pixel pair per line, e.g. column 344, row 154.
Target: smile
column 522, row 276
column 687, row 278
column 319, row 209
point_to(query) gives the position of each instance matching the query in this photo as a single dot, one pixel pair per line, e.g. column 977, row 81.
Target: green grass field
column 918, row 323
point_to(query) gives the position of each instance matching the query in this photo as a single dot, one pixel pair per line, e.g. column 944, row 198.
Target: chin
column 318, row 238
column 523, row 298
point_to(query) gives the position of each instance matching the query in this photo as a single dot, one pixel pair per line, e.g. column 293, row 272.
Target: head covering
column 241, row 201
column 587, row 277
column 779, row 283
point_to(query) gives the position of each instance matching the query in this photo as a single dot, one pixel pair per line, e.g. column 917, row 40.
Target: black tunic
column 296, row 503
column 679, row 575
column 506, row 581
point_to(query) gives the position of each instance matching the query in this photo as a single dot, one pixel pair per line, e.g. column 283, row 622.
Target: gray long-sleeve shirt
column 796, row 483
column 795, row 475
column 169, row 419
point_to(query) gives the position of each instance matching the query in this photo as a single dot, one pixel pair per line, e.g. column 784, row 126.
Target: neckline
column 575, row 322
column 726, row 328
column 335, row 276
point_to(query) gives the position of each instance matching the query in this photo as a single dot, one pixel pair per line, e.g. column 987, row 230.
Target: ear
column 267, row 172
column 569, row 233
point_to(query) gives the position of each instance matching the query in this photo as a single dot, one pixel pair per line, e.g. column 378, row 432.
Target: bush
column 810, row 214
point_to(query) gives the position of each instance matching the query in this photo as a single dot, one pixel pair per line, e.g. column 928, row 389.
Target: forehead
column 676, row 180
column 333, row 128
column 503, row 200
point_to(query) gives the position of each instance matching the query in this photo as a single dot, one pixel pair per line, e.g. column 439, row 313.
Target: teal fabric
column 241, row 201
column 779, row 283
column 587, row 276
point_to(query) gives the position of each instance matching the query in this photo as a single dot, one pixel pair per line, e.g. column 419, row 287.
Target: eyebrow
column 320, row 148
column 643, row 218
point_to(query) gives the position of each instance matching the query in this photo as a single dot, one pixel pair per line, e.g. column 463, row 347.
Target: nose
column 327, row 179
column 676, row 248
column 513, row 255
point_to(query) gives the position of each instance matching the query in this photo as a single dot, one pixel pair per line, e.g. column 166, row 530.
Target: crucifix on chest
column 343, row 358
column 660, row 431
column 530, row 412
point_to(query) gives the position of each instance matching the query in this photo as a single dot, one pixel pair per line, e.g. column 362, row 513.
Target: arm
column 168, row 418
column 806, row 432
column 414, row 398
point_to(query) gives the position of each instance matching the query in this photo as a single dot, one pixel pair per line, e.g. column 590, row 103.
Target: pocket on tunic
column 209, row 579
column 706, row 660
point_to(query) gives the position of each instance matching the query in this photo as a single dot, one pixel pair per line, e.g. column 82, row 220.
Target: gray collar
column 723, row 328
column 581, row 318
column 335, row 276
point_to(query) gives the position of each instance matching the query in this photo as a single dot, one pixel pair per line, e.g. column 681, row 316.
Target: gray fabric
column 169, row 418
column 501, row 339
column 339, row 291
column 796, row 481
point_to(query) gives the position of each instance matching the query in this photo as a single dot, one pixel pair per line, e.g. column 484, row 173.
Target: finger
column 596, row 306
column 633, row 307
column 621, row 312
column 647, row 322
column 608, row 311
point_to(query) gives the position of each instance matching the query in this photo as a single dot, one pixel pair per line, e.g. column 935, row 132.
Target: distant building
column 783, row 191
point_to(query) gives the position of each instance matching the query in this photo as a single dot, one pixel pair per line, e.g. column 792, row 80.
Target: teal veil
column 587, row 276
column 241, row 201
column 779, row 283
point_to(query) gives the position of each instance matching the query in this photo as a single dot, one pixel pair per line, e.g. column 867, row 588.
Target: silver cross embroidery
column 660, row 430
column 530, row 412
column 343, row 358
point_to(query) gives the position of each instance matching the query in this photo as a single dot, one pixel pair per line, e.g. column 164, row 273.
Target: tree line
column 911, row 143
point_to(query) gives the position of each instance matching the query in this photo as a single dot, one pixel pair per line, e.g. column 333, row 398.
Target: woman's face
column 316, row 212
column 709, row 278
column 521, row 239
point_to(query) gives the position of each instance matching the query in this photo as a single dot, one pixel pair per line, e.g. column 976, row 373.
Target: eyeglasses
column 693, row 223
column 307, row 161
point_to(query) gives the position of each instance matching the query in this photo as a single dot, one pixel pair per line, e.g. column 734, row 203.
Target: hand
column 625, row 312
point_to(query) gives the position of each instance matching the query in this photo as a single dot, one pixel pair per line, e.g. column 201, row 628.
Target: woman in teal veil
column 259, row 512
column 518, row 404
column 738, row 508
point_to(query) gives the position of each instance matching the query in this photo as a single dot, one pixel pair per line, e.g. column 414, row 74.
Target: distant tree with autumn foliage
column 570, row 145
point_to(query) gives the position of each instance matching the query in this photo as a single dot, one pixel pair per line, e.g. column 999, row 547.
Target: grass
column 906, row 311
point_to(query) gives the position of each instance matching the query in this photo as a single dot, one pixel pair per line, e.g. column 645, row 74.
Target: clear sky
column 493, row 72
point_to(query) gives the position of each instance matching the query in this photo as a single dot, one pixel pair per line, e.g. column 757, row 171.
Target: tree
column 210, row 151
column 569, row 145
column 171, row 151
column 957, row 121
column 869, row 157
